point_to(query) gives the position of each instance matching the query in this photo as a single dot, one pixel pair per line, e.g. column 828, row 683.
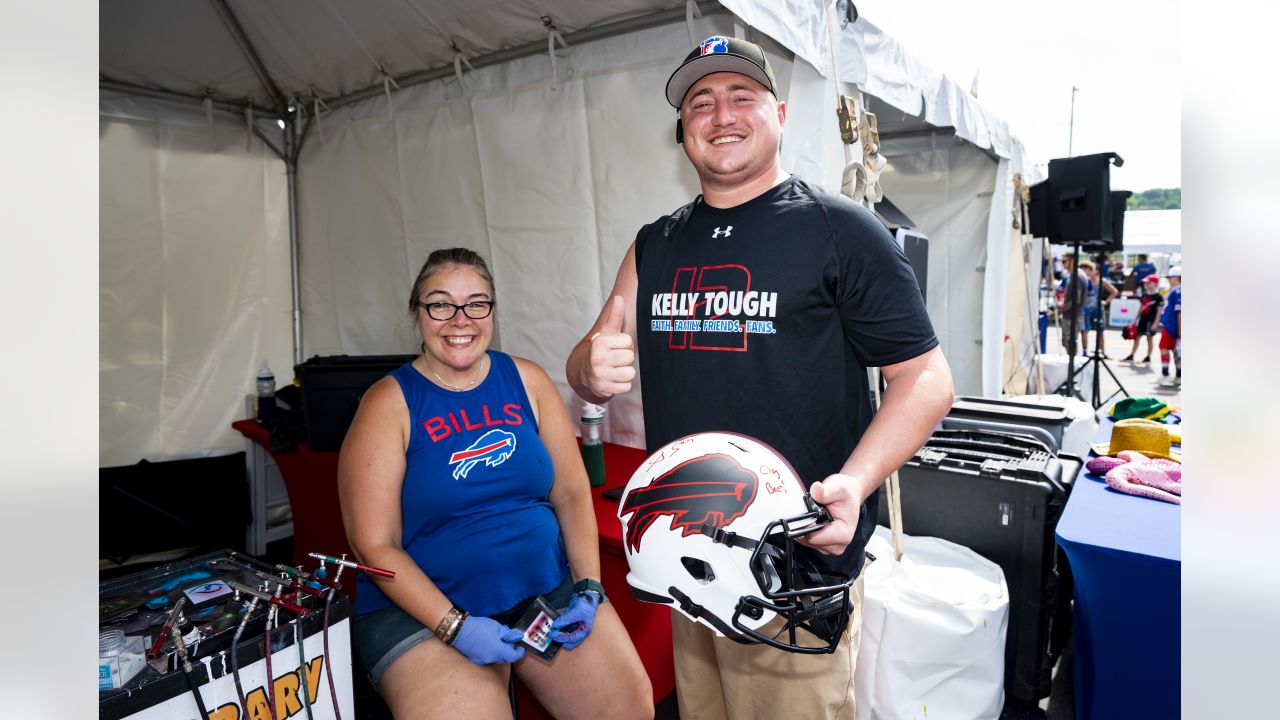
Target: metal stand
column 1068, row 387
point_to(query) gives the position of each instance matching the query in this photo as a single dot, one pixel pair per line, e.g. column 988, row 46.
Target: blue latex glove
column 571, row 628
column 486, row 641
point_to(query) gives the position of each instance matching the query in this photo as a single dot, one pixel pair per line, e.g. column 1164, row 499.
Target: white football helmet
column 709, row 523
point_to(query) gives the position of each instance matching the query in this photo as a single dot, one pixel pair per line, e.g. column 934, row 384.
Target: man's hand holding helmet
column 836, row 493
column 609, row 368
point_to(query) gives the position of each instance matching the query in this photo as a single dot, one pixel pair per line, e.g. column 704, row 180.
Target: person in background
column 1171, row 328
column 1116, row 272
column 801, row 291
column 1071, row 309
column 1148, row 321
column 1095, row 316
column 1143, row 268
column 461, row 474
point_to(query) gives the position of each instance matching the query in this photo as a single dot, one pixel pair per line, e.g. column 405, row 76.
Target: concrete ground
column 1138, row 378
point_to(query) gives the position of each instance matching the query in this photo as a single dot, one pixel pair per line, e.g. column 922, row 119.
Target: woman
column 1093, row 313
column 461, row 473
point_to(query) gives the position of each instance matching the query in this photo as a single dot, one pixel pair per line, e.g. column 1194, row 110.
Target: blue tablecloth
column 1126, row 560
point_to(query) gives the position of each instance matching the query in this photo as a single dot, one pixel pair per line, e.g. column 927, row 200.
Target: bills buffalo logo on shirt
column 493, row 448
column 707, row 489
column 712, row 307
column 713, row 45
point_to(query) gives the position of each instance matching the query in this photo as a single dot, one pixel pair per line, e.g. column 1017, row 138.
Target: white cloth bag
column 933, row 633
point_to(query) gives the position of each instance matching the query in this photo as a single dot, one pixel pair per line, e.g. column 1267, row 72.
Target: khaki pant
column 719, row 679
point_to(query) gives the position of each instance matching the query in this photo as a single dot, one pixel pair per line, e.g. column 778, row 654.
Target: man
column 1171, row 328
column 1074, row 302
column 1143, row 268
column 757, row 309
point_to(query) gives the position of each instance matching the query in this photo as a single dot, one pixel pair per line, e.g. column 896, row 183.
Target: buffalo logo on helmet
column 707, row 489
column 493, row 448
column 715, row 44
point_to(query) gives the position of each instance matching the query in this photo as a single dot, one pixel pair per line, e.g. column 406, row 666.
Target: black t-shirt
column 762, row 319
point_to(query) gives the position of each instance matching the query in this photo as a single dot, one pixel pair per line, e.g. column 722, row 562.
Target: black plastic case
column 1000, row 495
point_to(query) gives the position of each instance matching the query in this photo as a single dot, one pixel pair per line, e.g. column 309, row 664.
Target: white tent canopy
column 548, row 167
column 1152, row 231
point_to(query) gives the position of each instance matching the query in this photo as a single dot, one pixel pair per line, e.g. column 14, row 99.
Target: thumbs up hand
column 612, row 352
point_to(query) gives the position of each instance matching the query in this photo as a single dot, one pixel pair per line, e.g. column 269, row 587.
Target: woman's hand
column 571, row 628
column 486, row 641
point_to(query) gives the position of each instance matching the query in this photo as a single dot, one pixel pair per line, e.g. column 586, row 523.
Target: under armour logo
column 718, row 232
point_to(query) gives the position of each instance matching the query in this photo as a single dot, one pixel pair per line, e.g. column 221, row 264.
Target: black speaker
column 1038, row 210
column 1119, row 203
column 1080, row 199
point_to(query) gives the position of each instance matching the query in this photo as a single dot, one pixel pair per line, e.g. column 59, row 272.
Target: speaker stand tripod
column 1068, row 387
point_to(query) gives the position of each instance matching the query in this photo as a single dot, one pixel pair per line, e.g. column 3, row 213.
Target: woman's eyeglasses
column 476, row 309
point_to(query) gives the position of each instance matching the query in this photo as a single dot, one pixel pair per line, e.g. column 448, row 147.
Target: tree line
column 1156, row 199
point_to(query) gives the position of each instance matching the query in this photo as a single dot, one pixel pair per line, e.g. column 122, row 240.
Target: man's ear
column 679, row 131
column 782, row 112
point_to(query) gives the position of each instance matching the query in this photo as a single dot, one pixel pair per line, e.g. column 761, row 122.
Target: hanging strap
column 892, row 489
column 248, row 128
column 208, row 117
column 387, row 83
column 316, row 105
column 458, row 61
column 851, row 114
column 553, row 35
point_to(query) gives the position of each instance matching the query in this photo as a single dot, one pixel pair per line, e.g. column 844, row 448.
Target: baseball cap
column 1175, row 271
column 1151, row 278
column 720, row 54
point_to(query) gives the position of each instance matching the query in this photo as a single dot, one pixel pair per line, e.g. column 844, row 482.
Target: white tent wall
column 193, row 285
column 947, row 193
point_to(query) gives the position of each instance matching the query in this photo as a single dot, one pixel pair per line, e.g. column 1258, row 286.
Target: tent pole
column 291, row 168
column 235, row 108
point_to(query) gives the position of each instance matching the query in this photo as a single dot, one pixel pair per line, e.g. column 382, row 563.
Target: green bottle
column 592, row 449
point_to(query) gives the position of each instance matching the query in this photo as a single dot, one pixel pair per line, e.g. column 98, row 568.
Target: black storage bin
column 331, row 390
column 1052, row 418
column 999, row 495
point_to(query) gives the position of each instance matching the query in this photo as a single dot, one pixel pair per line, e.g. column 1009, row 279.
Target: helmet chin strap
column 693, row 609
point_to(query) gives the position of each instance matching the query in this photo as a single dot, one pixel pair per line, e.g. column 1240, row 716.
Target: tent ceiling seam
column 250, row 54
column 536, row 47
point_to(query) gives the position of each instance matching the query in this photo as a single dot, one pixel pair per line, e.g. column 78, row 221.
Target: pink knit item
column 1136, row 474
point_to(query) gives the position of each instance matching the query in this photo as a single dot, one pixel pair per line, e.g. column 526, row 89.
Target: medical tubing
column 271, row 685
column 328, row 666
column 235, row 655
column 181, row 647
column 302, row 666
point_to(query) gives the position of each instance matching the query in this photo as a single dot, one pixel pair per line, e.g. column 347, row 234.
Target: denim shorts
column 379, row 638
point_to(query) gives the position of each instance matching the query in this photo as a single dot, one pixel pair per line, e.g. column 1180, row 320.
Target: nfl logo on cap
column 716, row 44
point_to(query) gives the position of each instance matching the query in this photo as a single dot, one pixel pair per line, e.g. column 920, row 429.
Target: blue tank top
column 475, row 505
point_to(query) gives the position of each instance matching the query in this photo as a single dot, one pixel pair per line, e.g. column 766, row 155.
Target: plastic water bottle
column 266, row 382
column 592, row 449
